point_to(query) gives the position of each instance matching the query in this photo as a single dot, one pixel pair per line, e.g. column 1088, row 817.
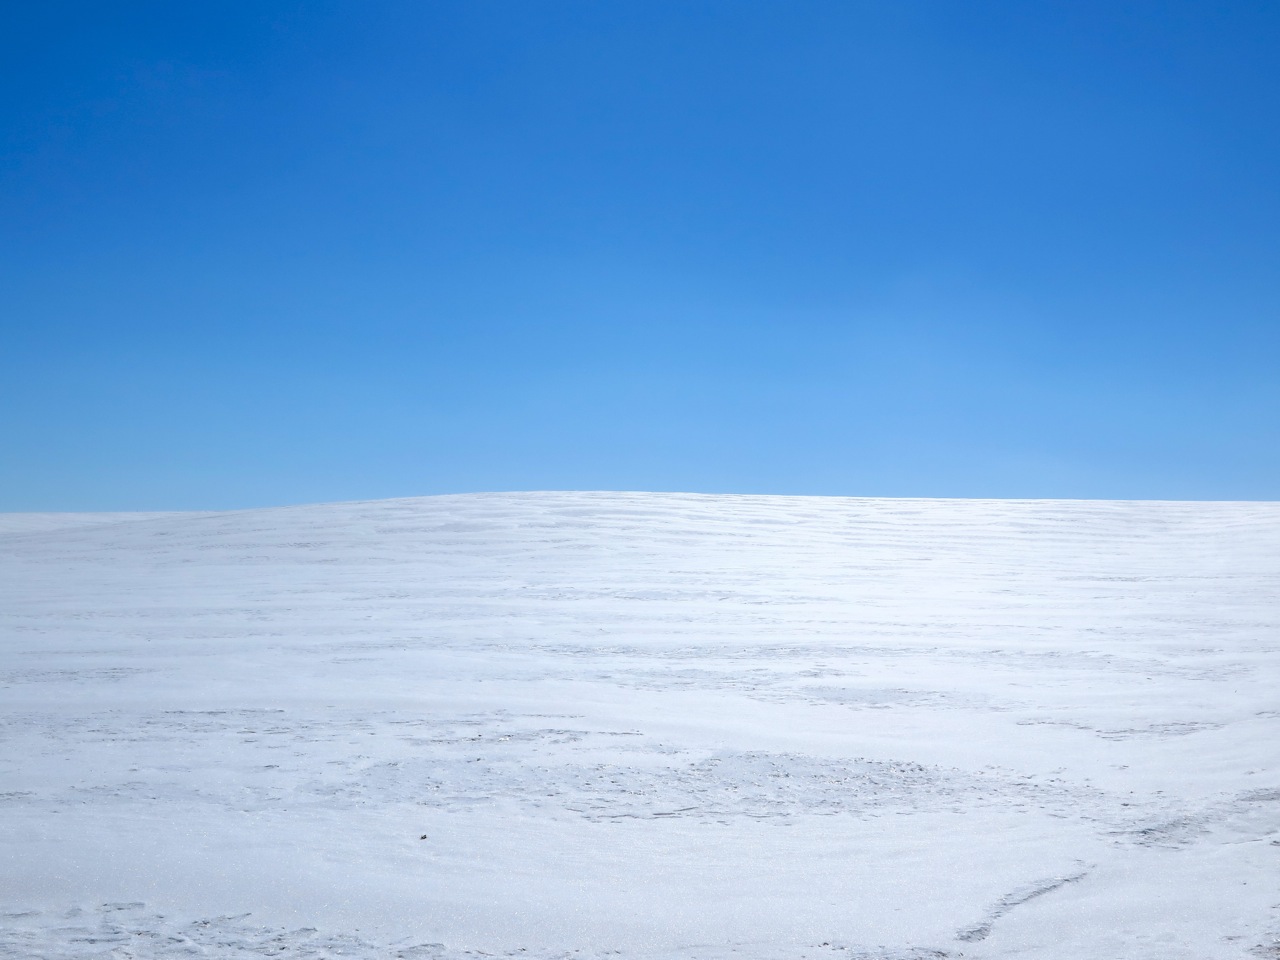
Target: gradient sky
column 262, row 253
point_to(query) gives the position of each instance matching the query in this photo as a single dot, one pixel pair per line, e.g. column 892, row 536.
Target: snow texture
column 566, row 725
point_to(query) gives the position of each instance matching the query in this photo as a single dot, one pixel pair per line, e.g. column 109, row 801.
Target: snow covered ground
column 643, row 725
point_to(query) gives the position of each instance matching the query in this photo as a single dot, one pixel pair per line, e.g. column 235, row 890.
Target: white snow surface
column 643, row 725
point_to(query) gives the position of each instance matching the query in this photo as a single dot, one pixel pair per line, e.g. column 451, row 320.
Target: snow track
column 643, row 725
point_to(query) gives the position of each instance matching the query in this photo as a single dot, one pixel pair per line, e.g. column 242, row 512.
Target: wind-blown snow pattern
column 643, row 725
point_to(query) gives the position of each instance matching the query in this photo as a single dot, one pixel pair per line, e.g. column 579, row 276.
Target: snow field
column 643, row 725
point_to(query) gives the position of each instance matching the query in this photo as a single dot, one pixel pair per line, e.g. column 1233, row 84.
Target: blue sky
column 261, row 253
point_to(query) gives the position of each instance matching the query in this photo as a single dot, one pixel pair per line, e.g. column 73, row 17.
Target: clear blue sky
column 259, row 253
